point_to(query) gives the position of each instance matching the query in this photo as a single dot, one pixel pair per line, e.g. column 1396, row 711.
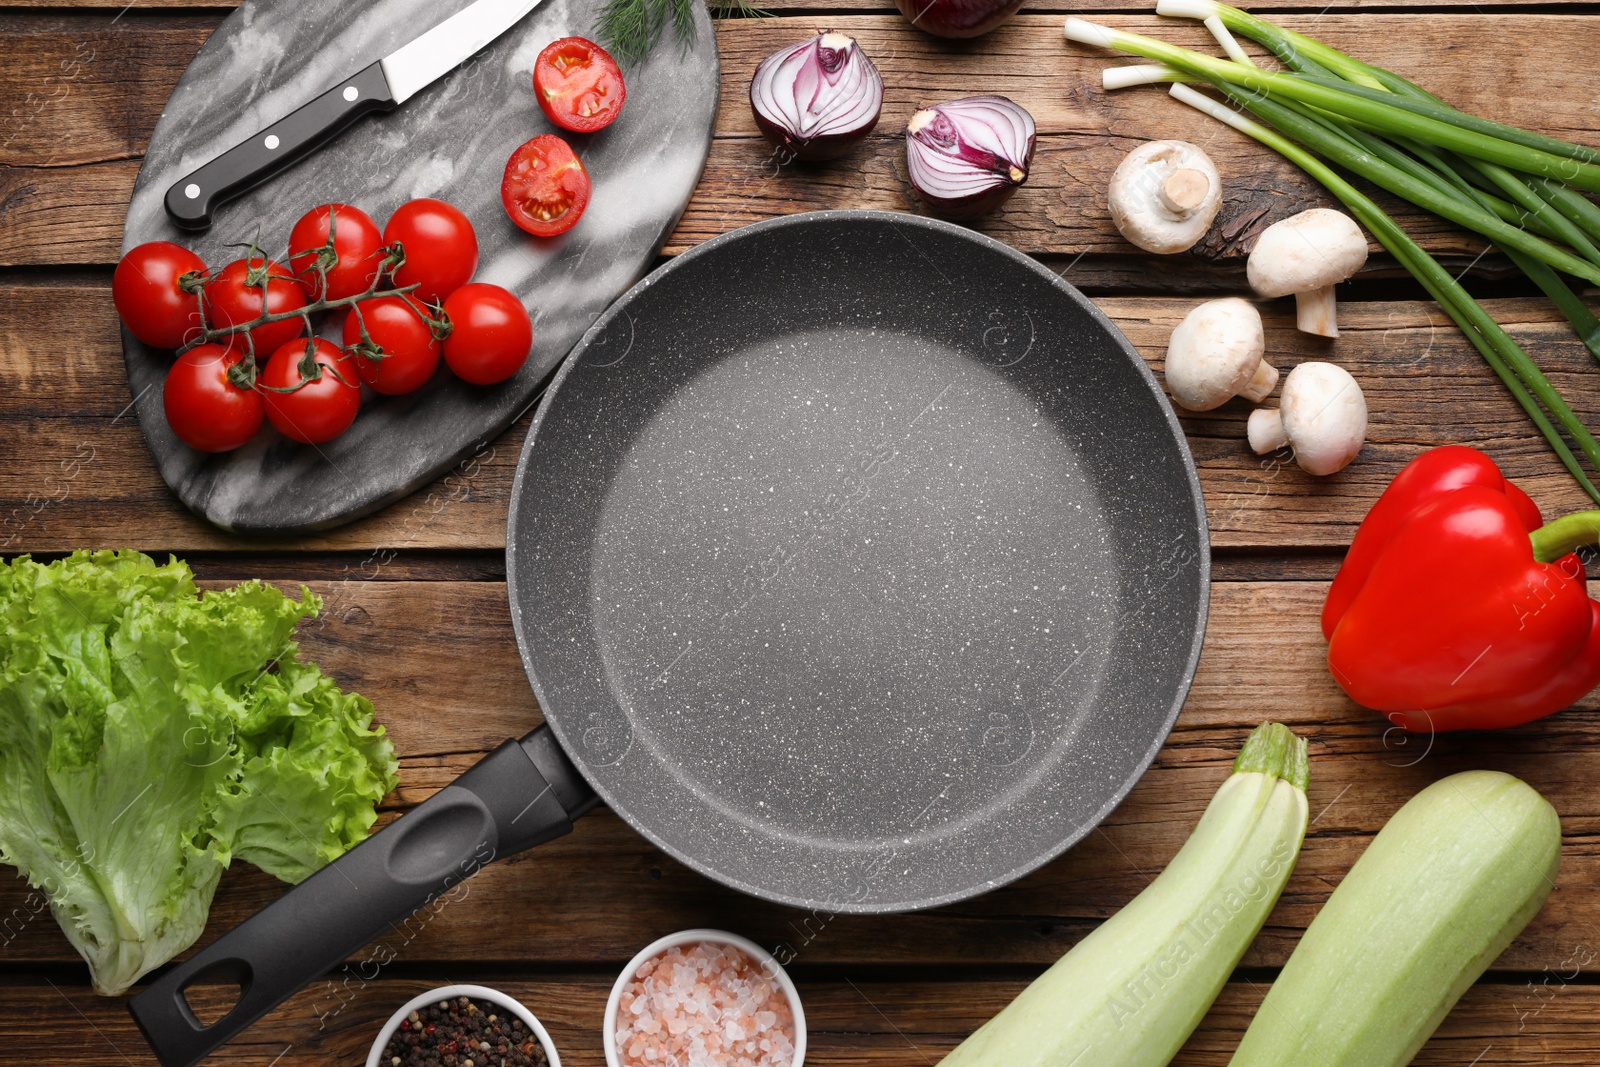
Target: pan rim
column 1147, row 376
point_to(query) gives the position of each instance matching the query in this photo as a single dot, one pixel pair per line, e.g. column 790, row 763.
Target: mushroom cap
column 1313, row 249
column 1137, row 207
column 1324, row 416
column 1214, row 352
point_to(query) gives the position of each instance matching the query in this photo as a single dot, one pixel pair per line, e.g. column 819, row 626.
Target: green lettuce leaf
column 148, row 735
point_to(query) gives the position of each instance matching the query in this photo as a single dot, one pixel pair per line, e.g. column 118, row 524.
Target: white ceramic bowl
column 476, row 992
column 684, row 937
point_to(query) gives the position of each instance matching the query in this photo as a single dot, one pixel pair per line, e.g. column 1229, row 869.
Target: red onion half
column 967, row 157
column 819, row 98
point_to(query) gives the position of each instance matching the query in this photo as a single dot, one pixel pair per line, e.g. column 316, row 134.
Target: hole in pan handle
column 522, row 794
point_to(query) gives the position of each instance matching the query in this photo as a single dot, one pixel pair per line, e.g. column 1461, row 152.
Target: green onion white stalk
column 1436, row 124
column 1307, row 56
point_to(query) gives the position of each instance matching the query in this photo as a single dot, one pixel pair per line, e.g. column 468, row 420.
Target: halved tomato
column 580, row 86
column 545, row 188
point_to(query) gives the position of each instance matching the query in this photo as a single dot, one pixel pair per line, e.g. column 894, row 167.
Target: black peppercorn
column 450, row 1033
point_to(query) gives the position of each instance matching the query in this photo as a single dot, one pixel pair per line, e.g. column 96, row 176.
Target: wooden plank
column 1084, row 132
column 61, row 210
column 80, row 475
column 64, row 216
column 91, row 483
column 88, row 90
column 439, row 662
column 73, row 217
column 853, row 1021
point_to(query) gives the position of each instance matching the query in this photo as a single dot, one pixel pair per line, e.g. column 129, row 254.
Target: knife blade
column 381, row 86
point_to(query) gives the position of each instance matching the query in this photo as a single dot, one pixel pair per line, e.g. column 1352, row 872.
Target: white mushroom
column 1322, row 416
column 1164, row 195
column 1215, row 353
column 1307, row 255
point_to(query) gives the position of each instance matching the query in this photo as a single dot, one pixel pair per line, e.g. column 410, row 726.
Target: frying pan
column 855, row 559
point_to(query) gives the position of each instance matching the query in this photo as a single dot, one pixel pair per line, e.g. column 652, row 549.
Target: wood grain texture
column 87, row 479
column 86, row 94
column 81, row 85
column 1084, row 131
column 853, row 1020
column 438, row 660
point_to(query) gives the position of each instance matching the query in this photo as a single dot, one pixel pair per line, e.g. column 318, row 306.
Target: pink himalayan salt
column 704, row 1004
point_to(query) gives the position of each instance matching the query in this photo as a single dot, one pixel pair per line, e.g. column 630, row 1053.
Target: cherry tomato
column 237, row 296
column 352, row 263
column 403, row 353
column 318, row 411
column 491, row 334
column 146, row 290
column 441, row 248
column 204, row 407
column 545, row 188
column 580, row 86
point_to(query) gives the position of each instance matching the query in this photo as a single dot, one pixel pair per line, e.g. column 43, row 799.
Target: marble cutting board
column 450, row 141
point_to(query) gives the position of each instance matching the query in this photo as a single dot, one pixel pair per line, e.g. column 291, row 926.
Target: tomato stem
column 245, row 372
column 210, row 334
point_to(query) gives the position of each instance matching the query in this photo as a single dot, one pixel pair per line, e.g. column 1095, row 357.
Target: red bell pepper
column 1457, row 608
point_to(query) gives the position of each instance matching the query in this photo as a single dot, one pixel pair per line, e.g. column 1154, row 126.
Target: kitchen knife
column 383, row 86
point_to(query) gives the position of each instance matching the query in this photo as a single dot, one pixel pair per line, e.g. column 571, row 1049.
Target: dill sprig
column 631, row 29
column 741, row 9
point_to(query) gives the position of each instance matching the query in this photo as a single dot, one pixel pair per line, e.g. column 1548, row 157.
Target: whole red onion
column 817, row 99
column 957, row 18
column 967, row 157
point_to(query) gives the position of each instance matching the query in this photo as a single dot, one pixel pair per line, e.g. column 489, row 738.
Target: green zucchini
column 1130, row 993
column 1440, row 892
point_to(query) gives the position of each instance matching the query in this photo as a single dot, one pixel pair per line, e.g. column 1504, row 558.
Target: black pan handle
column 190, row 200
column 520, row 795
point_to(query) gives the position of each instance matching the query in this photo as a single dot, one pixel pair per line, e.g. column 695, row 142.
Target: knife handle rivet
column 192, row 191
column 351, row 92
column 272, row 141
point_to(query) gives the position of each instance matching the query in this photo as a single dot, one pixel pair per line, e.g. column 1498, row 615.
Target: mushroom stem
column 1322, row 416
column 1261, row 383
column 1306, row 255
column 1164, row 195
column 1184, row 190
column 1265, row 431
column 1316, row 312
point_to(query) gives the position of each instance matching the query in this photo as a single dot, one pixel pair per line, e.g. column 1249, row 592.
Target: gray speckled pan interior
column 858, row 561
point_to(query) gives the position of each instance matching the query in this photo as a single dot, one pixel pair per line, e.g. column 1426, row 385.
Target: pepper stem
column 1566, row 534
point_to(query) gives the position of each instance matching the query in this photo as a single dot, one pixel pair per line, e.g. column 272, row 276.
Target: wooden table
column 417, row 616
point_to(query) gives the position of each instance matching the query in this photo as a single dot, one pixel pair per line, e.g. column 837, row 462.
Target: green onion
column 1308, row 56
column 1509, row 362
column 1579, row 209
column 1577, row 313
column 1384, row 117
column 1427, row 108
column 1494, row 179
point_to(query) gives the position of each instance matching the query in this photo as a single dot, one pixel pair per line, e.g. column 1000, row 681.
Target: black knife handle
column 191, row 200
column 520, row 795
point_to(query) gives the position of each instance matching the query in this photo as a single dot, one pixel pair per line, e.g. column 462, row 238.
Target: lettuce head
column 150, row 734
